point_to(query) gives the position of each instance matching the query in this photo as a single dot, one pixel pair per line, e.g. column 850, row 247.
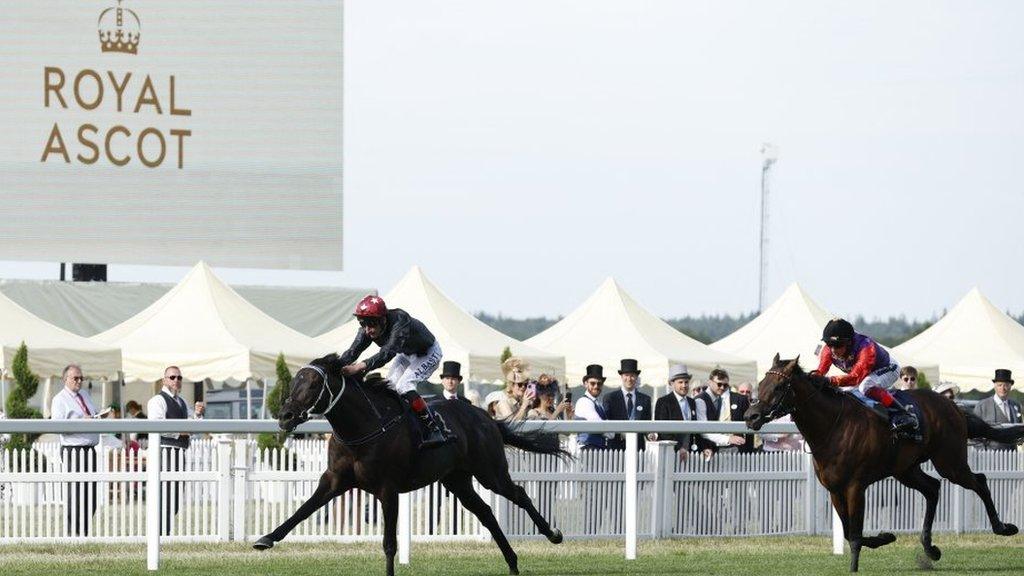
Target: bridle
column 332, row 397
column 782, row 403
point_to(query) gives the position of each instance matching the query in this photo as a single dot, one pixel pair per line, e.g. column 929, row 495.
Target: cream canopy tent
column 50, row 349
column 463, row 338
column 209, row 331
column 970, row 342
column 792, row 325
column 611, row 326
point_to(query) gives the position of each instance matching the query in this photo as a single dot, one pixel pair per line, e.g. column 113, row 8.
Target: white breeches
column 407, row 370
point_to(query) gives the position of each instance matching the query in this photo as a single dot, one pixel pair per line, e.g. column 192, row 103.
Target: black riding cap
column 837, row 330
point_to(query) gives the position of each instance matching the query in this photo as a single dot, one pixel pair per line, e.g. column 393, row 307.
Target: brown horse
column 853, row 448
column 374, row 448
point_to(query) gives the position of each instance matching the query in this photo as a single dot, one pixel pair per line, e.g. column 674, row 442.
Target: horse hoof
column 1007, row 530
column 513, row 571
column 933, row 552
column 887, row 538
column 264, row 543
column 555, row 537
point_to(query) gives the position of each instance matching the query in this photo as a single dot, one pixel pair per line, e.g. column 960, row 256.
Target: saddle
column 908, row 401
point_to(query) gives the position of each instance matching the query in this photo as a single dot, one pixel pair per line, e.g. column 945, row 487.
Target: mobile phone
column 568, row 396
column 532, row 388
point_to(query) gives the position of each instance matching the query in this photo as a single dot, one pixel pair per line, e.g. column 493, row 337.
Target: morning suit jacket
column 739, row 406
column 667, row 408
column 615, row 409
column 989, row 412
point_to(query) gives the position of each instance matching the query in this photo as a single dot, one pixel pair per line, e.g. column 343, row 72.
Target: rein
column 778, row 406
column 334, row 398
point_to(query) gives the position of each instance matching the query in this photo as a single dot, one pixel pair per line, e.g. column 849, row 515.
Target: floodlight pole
column 769, row 154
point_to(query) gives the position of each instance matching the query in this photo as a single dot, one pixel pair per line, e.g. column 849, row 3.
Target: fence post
column 224, row 481
column 241, row 470
column 664, row 466
column 404, row 527
column 153, row 502
column 810, row 495
column 959, row 510
column 631, row 490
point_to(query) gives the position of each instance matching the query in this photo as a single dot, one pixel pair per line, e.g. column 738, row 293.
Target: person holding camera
column 517, row 399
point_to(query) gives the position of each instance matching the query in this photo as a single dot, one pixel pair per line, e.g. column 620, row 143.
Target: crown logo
column 119, row 30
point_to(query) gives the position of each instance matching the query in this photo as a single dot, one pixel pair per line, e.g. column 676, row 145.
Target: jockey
column 416, row 355
column 867, row 366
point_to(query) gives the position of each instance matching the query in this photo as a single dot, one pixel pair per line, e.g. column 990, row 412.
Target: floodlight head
column 769, row 152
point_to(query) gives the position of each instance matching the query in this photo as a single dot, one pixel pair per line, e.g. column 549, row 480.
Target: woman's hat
column 516, row 370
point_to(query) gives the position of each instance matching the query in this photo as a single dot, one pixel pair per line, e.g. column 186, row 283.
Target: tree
column 25, row 385
column 505, row 355
column 274, row 400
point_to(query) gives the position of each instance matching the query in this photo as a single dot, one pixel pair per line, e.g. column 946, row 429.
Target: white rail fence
column 228, row 489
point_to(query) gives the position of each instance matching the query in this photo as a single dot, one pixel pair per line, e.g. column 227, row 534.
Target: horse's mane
column 332, row 364
column 821, row 383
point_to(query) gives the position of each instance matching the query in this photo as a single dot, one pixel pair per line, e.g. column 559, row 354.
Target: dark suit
column 615, row 409
column 988, row 411
column 459, row 396
column 738, row 406
column 667, row 408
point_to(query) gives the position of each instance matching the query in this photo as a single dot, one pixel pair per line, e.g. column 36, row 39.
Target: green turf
column 792, row 556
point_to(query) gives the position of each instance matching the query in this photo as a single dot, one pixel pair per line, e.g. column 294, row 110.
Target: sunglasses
column 177, row 377
column 909, row 379
column 77, row 378
column 365, row 322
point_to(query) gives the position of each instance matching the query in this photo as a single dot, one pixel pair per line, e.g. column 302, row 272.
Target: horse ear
column 775, row 361
column 793, row 364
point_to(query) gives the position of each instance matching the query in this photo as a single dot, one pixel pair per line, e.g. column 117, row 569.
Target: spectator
column 134, row 410
column 628, row 403
column 5, row 437
column 1000, row 408
column 717, row 403
column 491, row 401
column 678, row 405
column 746, row 389
column 168, row 405
column 589, row 408
column 77, row 450
column 199, row 412
column 547, row 408
column 451, row 377
column 473, row 397
column 515, row 403
column 781, row 442
column 948, row 390
column 697, row 390
column 908, row 378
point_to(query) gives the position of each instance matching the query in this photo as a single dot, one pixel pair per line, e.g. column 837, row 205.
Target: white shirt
column 725, row 406
column 450, row 395
column 156, row 409
column 586, row 409
column 684, row 406
column 65, row 406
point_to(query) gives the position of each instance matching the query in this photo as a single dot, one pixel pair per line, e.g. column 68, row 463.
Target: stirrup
column 436, row 432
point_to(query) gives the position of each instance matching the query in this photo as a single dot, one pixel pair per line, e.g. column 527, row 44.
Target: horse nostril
column 286, row 415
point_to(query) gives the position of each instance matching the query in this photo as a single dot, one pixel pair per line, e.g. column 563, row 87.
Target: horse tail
column 978, row 429
column 536, row 441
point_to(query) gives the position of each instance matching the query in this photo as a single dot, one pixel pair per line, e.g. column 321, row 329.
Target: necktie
column 629, row 405
column 718, row 404
column 684, row 407
column 1007, row 411
column 600, row 410
column 81, row 402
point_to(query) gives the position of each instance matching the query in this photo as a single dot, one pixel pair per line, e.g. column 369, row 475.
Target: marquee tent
column 209, row 331
column 50, row 349
column 970, row 342
column 611, row 326
column 792, row 325
column 463, row 338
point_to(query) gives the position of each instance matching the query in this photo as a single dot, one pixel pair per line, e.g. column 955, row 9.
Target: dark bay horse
column 853, row 448
column 374, row 448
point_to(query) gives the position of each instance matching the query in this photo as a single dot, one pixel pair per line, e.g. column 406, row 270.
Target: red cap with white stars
column 371, row 307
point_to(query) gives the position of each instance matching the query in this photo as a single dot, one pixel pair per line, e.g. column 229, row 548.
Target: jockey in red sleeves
column 868, row 369
column 413, row 348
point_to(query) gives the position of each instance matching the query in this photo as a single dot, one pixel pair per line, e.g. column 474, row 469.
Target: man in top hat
column 627, row 403
column 1000, row 408
column 451, row 377
column 678, row 405
column 589, row 407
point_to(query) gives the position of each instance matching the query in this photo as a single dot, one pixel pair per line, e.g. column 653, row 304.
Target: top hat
column 679, row 371
column 594, row 371
column 451, row 369
column 1003, row 375
column 628, row 365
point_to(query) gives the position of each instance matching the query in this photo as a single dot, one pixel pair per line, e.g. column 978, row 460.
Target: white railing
column 228, row 489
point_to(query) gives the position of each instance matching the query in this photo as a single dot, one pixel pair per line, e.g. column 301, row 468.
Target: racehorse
column 374, row 447
column 854, row 448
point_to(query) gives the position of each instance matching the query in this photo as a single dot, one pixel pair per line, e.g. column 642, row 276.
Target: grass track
column 791, row 556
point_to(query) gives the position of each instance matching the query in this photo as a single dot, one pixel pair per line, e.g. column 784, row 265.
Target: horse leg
column 855, row 522
column 501, row 483
column 960, row 473
column 389, row 505
column 839, row 503
column 325, row 491
column 929, row 487
column 462, row 486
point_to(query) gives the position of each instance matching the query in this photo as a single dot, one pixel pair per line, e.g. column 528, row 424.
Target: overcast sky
column 521, row 151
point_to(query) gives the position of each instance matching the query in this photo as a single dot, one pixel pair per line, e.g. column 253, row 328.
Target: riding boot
column 434, row 433
column 903, row 420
